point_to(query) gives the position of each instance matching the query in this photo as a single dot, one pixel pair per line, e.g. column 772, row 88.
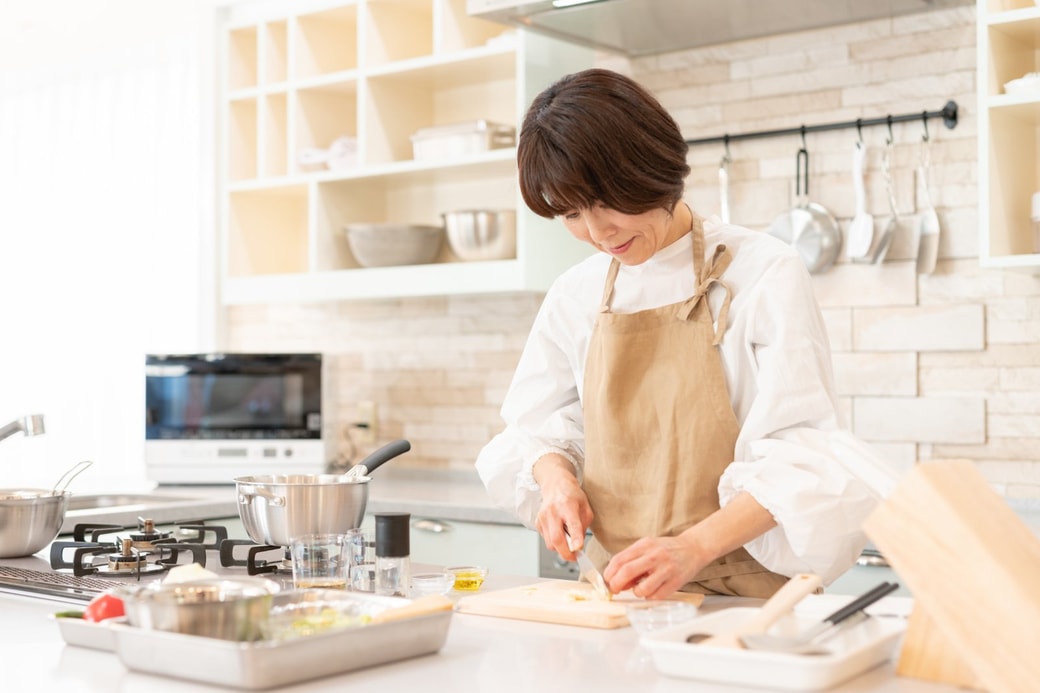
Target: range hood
column 647, row 27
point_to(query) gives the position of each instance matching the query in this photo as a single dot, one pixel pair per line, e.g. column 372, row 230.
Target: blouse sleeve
column 793, row 454
column 541, row 410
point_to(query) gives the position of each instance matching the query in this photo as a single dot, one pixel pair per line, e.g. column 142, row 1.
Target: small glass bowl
column 654, row 615
column 432, row 583
column 468, row 578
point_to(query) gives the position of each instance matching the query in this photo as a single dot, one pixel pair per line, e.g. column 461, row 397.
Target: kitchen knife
column 591, row 575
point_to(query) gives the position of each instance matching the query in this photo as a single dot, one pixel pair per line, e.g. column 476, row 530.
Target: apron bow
column 708, row 276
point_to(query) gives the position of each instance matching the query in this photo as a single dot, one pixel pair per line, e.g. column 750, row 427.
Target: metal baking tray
column 268, row 664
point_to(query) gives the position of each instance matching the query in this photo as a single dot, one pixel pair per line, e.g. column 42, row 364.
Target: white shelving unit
column 1009, row 133
column 301, row 74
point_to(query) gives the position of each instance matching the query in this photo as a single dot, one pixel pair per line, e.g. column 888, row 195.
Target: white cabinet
column 300, row 75
column 1009, row 133
column 502, row 549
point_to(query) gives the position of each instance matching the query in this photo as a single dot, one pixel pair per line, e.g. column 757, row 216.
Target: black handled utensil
column 802, row 643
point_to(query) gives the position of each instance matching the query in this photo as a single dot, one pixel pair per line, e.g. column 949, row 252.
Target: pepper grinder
column 393, row 546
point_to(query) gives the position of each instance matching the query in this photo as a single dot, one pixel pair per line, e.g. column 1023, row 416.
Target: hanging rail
column 948, row 114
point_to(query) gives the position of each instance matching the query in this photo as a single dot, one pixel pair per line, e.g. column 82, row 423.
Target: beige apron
column 659, row 426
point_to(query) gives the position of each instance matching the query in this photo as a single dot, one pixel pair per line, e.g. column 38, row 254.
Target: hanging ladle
column 63, row 483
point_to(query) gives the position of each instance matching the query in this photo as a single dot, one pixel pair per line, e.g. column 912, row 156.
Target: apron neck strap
column 708, row 274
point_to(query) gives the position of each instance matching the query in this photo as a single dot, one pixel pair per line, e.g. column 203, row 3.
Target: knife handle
column 861, row 602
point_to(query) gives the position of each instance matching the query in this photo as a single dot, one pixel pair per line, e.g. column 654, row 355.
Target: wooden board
column 972, row 566
column 559, row 601
column 927, row 654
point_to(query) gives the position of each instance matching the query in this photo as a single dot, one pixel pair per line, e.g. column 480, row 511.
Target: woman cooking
column 675, row 394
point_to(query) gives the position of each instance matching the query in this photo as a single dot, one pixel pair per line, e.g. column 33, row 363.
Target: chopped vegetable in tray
column 295, row 625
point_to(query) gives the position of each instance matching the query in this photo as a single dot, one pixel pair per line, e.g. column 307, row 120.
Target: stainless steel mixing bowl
column 227, row 609
column 29, row 519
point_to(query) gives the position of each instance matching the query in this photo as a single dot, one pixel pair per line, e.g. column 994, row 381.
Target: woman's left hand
column 653, row 567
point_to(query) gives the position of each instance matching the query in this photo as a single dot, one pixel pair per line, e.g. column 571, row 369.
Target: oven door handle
column 247, row 493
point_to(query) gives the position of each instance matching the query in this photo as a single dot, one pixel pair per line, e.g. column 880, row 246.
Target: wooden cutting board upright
column 973, row 567
column 563, row 602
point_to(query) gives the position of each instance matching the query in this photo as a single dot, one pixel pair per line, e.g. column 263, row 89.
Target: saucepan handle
column 247, row 493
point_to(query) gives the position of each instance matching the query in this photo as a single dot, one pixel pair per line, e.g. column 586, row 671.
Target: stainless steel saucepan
column 277, row 507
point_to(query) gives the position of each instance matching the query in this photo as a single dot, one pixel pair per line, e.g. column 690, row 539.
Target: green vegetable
column 69, row 614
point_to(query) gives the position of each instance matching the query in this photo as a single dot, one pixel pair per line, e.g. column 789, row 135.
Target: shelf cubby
column 243, row 149
column 275, row 127
column 327, row 41
column 276, row 53
column 397, row 30
column 326, row 113
column 1009, row 133
column 242, row 59
column 267, row 231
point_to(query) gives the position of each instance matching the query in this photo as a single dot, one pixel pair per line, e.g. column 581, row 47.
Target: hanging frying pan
column 808, row 226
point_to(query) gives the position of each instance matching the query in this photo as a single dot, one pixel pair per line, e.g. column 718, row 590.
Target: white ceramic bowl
column 386, row 245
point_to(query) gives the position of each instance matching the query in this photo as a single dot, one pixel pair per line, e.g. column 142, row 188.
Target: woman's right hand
column 565, row 511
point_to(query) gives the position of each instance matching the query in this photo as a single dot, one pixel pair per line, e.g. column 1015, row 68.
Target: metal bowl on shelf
column 390, row 244
column 481, row 234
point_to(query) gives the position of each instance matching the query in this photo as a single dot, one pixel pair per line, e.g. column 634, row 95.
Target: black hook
column 891, row 137
column 725, row 144
column 803, row 136
column 859, row 129
column 924, row 119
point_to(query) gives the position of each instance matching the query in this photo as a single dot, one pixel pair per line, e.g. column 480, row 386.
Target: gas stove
column 98, row 557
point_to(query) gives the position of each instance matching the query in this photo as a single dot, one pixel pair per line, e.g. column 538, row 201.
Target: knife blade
column 589, row 573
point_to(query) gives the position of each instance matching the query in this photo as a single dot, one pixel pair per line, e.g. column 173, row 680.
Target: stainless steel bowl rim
column 177, row 593
column 29, row 495
column 297, row 480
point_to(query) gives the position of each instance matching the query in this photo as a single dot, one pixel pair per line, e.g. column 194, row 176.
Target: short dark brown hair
column 597, row 136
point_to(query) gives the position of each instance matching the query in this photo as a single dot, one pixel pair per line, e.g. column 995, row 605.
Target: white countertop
column 434, row 494
column 481, row 654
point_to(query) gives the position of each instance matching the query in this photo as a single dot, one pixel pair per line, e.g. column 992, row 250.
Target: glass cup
column 362, row 560
column 320, row 560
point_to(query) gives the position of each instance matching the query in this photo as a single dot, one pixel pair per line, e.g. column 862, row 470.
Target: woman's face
column 631, row 238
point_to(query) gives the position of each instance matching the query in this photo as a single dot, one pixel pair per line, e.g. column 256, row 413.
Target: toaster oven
column 214, row 416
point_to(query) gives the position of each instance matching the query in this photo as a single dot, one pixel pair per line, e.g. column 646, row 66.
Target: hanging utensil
column 861, row 228
column 724, row 185
column 928, row 220
column 805, row 641
column 808, row 227
column 882, row 242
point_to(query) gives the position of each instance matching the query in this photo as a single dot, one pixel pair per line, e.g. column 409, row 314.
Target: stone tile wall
column 938, row 366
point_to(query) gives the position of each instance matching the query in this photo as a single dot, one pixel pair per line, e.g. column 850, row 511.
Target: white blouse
column 793, row 454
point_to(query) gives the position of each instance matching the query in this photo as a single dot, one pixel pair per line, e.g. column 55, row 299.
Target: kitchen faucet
column 30, row 425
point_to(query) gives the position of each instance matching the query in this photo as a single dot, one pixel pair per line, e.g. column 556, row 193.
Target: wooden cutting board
column 559, row 601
